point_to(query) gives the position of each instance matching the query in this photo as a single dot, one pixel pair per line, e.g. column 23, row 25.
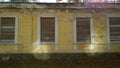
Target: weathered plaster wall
column 24, row 33
column 27, row 33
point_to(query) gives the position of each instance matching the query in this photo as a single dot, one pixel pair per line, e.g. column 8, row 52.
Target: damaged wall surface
column 28, row 15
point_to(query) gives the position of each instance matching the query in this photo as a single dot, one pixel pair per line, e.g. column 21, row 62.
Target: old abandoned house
column 59, row 27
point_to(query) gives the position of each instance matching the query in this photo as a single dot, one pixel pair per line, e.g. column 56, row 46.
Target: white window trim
column 39, row 34
column 91, row 31
column 16, row 27
column 108, row 28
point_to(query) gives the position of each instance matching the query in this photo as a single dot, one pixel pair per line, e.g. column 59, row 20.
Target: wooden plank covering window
column 114, row 29
column 83, row 29
column 7, row 29
column 47, row 29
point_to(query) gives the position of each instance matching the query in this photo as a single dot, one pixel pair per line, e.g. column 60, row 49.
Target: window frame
column 15, row 41
column 108, row 28
column 91, row 30
column 39, row 32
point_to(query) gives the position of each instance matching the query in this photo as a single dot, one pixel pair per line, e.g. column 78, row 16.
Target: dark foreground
column 61, row 61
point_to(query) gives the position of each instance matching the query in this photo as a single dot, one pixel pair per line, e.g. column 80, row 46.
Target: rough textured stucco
column 27, row 31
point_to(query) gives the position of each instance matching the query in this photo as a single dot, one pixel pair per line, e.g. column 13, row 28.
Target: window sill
column 106, row 43
column 114, row 43
column 96, row 43
column 50, row 43
column 10, row 43
column 82, row 43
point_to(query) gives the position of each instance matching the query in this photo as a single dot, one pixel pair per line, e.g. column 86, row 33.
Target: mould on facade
column 71, row 7
column 62, row 5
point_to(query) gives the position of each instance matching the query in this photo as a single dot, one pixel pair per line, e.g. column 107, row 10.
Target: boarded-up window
column 47, row 29
column 83, row 29
column 114, row 29
column 7, row 29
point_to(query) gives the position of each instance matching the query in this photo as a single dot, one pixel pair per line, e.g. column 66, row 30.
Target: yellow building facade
column 27, row 19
